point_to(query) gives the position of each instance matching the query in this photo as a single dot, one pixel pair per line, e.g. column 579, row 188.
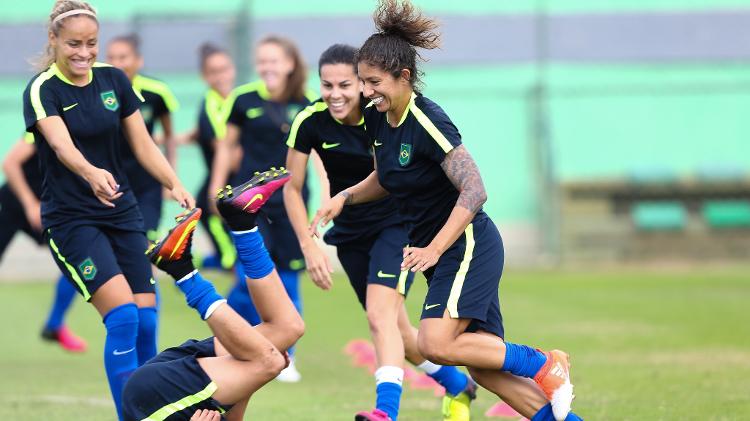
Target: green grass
column 645, row 345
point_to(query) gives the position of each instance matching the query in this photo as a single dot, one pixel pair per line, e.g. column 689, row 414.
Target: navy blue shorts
column 376, row 260
column 154, row 389
column 13, row 219
column 90, row 255
column 280, row 239
column 150, row 200
column 465, row 280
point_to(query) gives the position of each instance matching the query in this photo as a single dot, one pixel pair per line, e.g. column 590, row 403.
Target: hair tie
column 62, row 16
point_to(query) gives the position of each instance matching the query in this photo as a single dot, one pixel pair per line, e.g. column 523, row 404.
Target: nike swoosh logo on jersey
column 256, row 197
column 69, row 107
column 330, row 145
column 376, row 143
column 116, row 352
column 427, row 307
column 385, row 275
column 153, row 282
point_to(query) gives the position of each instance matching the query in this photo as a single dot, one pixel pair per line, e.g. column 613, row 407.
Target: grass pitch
column 645, row 345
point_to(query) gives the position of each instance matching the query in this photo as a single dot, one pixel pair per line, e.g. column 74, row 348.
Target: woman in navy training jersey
column 20, row 210
column 368, row 238
column 81, row 111
column 421, row 162
column 259, row 116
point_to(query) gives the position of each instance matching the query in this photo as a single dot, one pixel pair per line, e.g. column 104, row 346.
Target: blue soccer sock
column 545, row 414
column 239, row 299
column 388, row 389
column 200, row 294
column 290, row 279
column 449, row 377
column 148, row 320
column 120, row 356
column 64, row 293
column 523, row 360
column 252, row 253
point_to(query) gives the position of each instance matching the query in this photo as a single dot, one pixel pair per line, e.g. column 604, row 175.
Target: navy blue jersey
column 409, row 157
column 347, row 157
column 211, row 125
column 158, row 100
column 92, row 115
column 264, row 125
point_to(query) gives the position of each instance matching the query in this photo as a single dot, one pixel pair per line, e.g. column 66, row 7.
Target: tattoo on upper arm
column 463, row 172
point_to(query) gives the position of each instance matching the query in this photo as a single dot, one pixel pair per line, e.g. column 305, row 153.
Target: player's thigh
column 235, row 379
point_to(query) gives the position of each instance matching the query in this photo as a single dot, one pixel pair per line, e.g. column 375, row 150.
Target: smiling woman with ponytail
column 422, row 163
column 79, row 112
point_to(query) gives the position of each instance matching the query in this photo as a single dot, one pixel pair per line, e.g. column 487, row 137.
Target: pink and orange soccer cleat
column 173, row 245
column 68, row 340
column 554, row 380
column 374, row 415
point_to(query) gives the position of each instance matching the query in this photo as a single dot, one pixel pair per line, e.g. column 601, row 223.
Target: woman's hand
column 327, row 212
column 103, row 185
column 181, row 196
column 318, row 265
column 418, row 259
column 206, row 415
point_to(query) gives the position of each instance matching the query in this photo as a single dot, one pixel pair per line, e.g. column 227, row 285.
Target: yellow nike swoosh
column 256, row 197
column 69, row 107
column 184, row 235
column 385, row 275
column 330, row 145
column 431, row 306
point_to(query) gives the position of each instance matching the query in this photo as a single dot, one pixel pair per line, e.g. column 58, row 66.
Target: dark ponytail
column 401, row 30
column 132, row 40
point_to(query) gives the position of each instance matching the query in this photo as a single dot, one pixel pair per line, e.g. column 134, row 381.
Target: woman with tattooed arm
column 421, row 162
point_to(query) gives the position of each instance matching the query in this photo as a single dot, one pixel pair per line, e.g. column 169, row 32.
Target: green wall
column 36, row 10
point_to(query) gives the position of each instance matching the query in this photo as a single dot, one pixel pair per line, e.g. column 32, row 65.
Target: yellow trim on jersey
column 406, row 111
column 142, row 83
column 463, row 269
column 186, row 402
column 62, row 77
column 71, row 270
column 28, row 138
column 304, row 114
column 310, row 95
column 257, row 86
column 214, row 108
column 425, row 121
column 35, row 95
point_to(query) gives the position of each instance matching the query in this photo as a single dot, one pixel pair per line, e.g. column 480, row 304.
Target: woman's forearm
column 296, row 163
column 223, row 158
column 13, row 168
column 54, row 130
column 367, row 190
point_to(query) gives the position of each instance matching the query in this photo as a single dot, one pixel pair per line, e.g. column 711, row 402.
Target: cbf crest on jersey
column 110, row 100
column 404, row 156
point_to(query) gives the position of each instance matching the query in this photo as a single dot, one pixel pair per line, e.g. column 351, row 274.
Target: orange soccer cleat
column 554, row 380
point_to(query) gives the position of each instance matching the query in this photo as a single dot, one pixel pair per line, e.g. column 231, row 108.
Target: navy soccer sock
column 64, row 293
column 252, row 253
column 120, row 356
column 545, row 414
column 200, row 294
column 523, row 360
column 449, row 377
column 148, row 320
column 389, row 381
